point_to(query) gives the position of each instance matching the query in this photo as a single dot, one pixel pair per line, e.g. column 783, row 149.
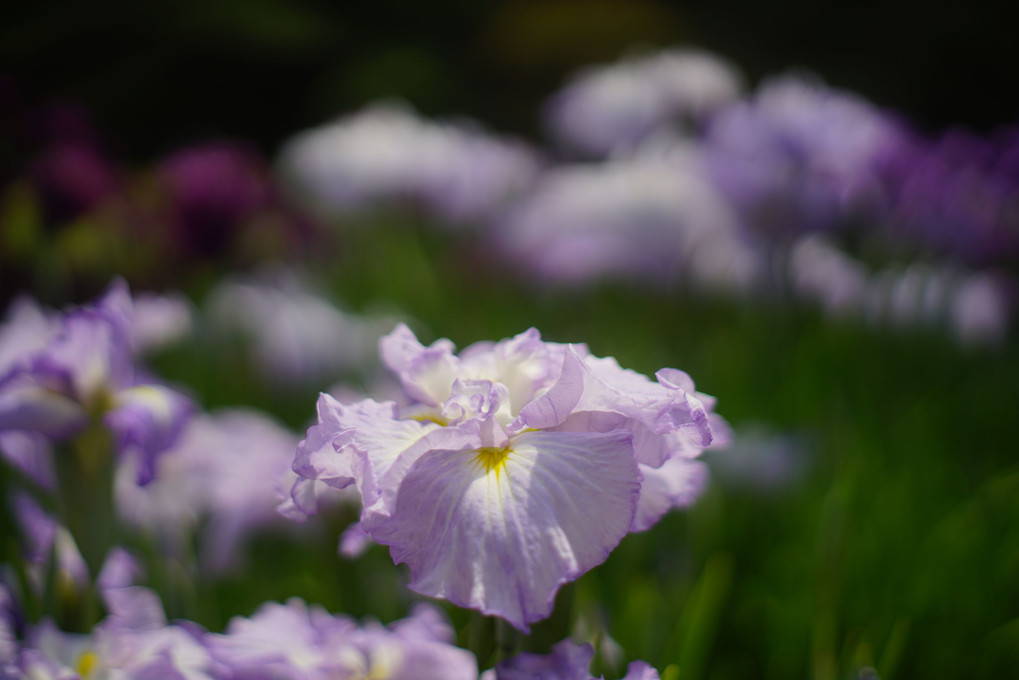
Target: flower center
column 87, row 663
column 492, row 458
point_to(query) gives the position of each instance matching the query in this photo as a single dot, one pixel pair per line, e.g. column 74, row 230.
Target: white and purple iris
column 515, row 467
column 59, row 373
column 293, row 641
column 134, row 641
column 566, row 661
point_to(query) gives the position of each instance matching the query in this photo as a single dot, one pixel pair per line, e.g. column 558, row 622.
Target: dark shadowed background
column 158, row 74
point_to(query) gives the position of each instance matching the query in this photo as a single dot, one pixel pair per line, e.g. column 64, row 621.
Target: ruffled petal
column 316, row 453
column 501, row 531
column 523, row 363
column 677, row 483
column 590, row 384
column 427, row 373
column 368, row 437
column 555, row 406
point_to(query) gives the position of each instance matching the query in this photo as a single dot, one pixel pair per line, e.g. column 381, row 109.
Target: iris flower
column 566, row 661
column 515, row 467
column 293, row 641
column 133, row 641
column 58, row 374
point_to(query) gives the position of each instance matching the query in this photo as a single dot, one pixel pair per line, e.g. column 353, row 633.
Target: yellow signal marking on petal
column 87, row 663
column 492, row 458
column 438, row 420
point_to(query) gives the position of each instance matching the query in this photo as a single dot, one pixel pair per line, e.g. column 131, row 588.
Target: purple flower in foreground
column 516, row 467
column 566, row 661
column 297, row 642
column 57, row 378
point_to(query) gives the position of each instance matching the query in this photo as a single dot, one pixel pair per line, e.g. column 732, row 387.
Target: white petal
column 503, row 539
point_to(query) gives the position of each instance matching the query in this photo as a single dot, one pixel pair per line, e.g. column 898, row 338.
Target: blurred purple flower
column 516, row 468
column 27, row 326
column 85, row 370
column 213, row 190
column 799, row 156
column 134, row 641
column 66, row 161
column 120, row 570
column 8, row 635
column 225, row 474
column 386, row 154
column 297, row 642
column 31, row 453
column 72, row 178
column 45, row 539
column 615, row 107
column 566, row 661
column 959, row 195
column 48, row 545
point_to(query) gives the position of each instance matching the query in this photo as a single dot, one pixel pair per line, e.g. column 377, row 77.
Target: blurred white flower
column 617, row 106
column 980, row 311
column 823, row 274
column 387, row 154
column 651, row 217
column 295, row 336
column 160, row 321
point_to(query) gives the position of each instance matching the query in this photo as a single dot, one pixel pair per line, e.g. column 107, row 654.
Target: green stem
column 481, row 638
column 508, row 641
column 85, row 494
